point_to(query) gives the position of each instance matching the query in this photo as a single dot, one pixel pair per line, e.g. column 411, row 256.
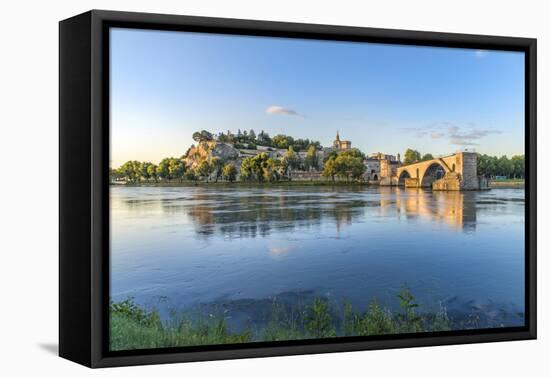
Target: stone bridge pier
column 453, row 172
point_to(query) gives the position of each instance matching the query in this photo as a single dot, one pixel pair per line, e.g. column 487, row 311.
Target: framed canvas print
column 234, row 188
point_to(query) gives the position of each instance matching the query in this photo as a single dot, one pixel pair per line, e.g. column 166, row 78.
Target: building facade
column 341, row 145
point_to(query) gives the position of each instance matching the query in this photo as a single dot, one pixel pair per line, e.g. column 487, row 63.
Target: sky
column 383, row 98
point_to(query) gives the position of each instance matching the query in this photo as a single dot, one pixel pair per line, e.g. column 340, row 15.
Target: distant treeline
column 250, row 139
column 491, row 166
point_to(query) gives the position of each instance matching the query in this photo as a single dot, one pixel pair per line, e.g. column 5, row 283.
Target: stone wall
column 451, row 181
column 468, row 170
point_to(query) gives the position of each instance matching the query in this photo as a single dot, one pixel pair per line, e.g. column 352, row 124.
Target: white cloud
column 481, row 53
column 458, row 135
column 468, row 137
column 274, row 109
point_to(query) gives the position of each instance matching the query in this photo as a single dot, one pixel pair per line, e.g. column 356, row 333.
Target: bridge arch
column 432, row 172
column 402, row 176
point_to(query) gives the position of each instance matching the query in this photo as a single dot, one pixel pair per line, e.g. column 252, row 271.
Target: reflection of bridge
column 453, row 172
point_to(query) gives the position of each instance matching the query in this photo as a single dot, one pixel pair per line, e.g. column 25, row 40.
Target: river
column 238, row 247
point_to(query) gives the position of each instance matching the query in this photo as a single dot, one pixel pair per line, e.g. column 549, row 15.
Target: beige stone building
column 341, row 145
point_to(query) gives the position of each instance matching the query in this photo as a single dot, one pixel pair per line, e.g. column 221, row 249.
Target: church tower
column 341, row 145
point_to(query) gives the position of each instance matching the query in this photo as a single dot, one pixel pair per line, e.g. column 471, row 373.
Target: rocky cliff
column 207, row 150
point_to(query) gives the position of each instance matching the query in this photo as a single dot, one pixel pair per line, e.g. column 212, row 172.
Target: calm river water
column 239, row 247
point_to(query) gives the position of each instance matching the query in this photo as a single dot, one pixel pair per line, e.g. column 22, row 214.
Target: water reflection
column 200, row 244
column 456, row 209
column 255, row 212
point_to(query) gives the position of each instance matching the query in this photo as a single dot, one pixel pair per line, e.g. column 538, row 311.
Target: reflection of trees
column 254, row 215
column 252, row 212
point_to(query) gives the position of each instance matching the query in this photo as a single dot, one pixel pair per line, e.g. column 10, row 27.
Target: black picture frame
column 83, row 183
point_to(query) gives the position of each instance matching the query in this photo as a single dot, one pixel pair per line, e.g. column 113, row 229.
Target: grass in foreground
column 133, row 327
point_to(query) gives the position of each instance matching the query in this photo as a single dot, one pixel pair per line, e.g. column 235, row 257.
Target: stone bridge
column 453, row 172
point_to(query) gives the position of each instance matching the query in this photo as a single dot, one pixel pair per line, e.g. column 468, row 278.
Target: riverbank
column 246, row 183
column 133, row 327
column 510, row 183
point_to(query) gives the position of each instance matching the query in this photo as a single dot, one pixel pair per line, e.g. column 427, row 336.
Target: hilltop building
column 341, row 145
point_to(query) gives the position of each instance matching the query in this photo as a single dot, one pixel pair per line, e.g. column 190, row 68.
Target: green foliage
column 250, row 140
column 133, row 327
column 330, row 168
column 247, row 169
column 290, row 161
column 176, row 168
column 409, row 320
column 162, row 169
column 202, row 136
column 311, row 161
column 257, row 168
column 229, row 172
column 217, row 165
column 152, row 171
column 131, row 171
column 284, row 324
column 272, row 169
column 191, row 175
column 318, row 321
column 282, row 141
column 411, row 156
column 346, row 164
column 204, row 169
column 128, row 309
column 426, row 157
column 375, row 321
column 491, row 166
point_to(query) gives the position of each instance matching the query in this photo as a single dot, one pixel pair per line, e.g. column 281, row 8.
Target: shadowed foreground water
column 236, row 248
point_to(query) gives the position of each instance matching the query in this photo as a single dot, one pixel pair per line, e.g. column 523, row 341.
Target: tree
column 147, row 170
column 349, row 164
column 329, row 168
column 282, row 141
column 310, row 161
column 176, row 168
column 252, row 136
column 504, row 166
column 246, row 169
column 263, row 139
column 114, row 174
column 217, row 166
column 427, row 157
column 131, row 170
column 190, row 175
column 272, row 169
column 202, row 136
column 229, row 172
column 518, row 166
column 162, row 169
column 204, row 169
column 290, row 161
column 253, row 167
column 411, row 156
column 152, row 171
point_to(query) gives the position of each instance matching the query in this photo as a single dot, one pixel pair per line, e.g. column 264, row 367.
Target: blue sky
column 387, row 98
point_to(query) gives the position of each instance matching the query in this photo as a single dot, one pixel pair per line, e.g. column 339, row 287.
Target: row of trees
column 491, row 166
column 174, row 169
column 251, row 140
column 260, row 168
